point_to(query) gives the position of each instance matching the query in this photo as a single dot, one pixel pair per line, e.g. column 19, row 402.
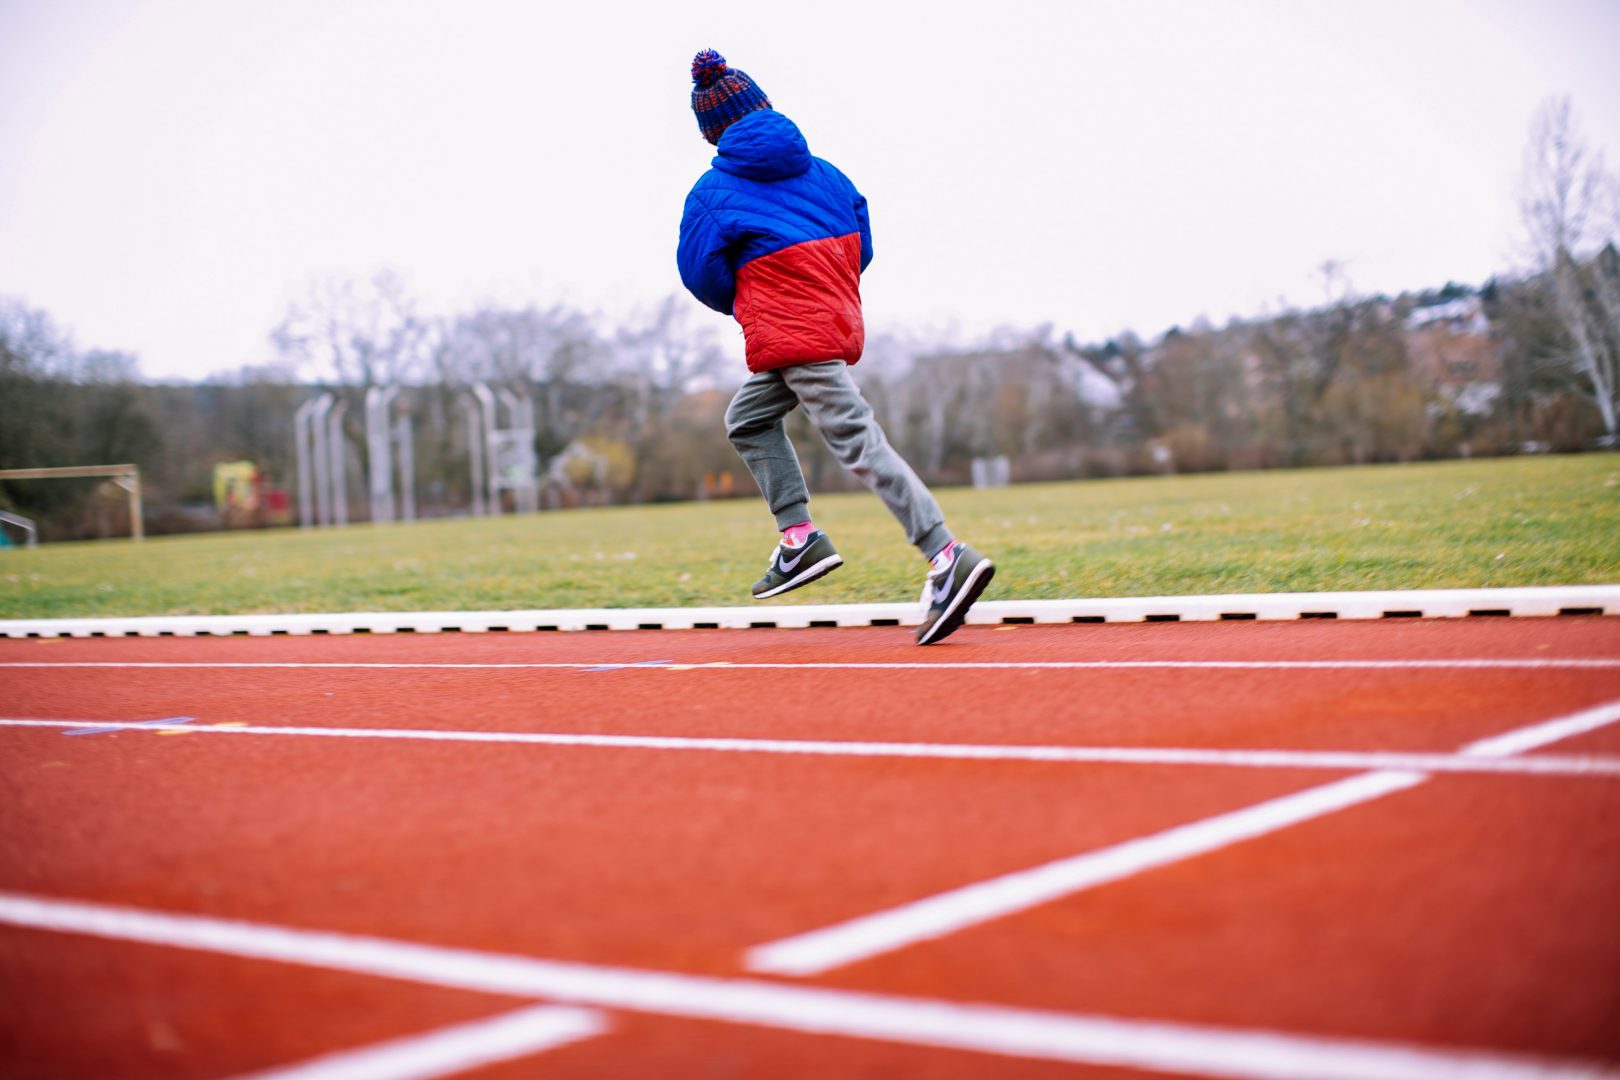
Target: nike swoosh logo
column 939, row 593
column 789, row 564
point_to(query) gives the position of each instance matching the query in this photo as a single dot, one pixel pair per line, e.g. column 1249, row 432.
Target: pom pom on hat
column 722, row 94
column 707, row 67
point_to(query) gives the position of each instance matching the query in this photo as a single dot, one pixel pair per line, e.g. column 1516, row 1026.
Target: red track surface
column 1473, row 912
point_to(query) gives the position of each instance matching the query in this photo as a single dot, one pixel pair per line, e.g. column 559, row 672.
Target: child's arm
column 705, row 259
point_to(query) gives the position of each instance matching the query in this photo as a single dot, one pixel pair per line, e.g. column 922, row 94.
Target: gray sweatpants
column 837, row 409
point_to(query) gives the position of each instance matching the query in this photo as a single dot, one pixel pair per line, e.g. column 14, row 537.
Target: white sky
column 174, row 172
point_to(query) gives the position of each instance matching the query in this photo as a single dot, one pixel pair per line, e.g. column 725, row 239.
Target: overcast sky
column 174, row 172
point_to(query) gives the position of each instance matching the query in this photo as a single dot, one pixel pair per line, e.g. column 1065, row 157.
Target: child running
column 779, row 239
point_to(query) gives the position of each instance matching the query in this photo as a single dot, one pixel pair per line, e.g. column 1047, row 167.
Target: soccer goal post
column 127, row 477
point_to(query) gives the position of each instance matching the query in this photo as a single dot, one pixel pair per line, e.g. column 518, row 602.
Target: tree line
column 631, row 410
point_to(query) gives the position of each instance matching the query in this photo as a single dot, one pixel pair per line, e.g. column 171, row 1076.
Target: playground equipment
column 236, row 492
column 502, row 459
column 323, row 459
column 323, row 497
column 386, row 445
column 244, row 497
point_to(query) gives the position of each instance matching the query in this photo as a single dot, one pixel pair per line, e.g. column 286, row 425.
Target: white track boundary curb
column 1423, row 603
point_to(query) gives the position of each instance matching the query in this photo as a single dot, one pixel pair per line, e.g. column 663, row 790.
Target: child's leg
column 845, row 420
column 754, row 425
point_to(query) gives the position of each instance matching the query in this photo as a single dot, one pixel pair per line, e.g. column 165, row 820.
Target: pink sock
column 795, row 535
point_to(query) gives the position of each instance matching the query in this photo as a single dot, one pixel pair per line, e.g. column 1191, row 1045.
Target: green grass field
column 1522, row 521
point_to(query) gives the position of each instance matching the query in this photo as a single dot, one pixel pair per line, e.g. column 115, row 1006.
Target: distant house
column 1465, row 314
column 1452, row 351
column 1036, row 365
column 1092, row 385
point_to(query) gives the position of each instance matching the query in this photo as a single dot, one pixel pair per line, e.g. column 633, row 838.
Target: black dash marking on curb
column 1492, row 613
column 824, row 624
column 1161, row 618
column 1238, row 616
column 762, row 626
column 1088, row 618
column 705, row 626
column 1580, row 611
column 649, row 626
column 884, row 622
column 320, row 630
column 1018, row 620
column 1403, row 614
column 597, row 626
column 502, row 629
column 1319, row 614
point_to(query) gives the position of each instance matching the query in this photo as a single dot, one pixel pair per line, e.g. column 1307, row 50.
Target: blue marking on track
column 620, row 667
column 125, row 727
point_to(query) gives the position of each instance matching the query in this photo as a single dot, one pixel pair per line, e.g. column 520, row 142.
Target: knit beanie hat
column 722, row 95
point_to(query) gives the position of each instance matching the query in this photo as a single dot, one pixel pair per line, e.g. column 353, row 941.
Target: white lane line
column 1483, row 663
column 1246, row 1054
column 881, row 932
column 1338, row 760
column 949, row 912
column 451, row 1050
column 1545, row 733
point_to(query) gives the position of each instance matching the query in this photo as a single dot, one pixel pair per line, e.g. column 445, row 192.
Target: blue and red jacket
column 778, row 238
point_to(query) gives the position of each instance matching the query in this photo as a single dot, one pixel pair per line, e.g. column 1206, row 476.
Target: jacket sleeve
column 866, row 229
column 704, row 258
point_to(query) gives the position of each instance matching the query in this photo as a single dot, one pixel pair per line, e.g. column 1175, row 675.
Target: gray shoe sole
column 952, row 620
column 805, row 577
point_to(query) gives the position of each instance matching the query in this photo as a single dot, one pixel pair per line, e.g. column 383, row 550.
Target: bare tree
column 1563, row 190
column 664, row 353
column 497, row 344
column 31, row 343
column 359, row 334
column 662, row 358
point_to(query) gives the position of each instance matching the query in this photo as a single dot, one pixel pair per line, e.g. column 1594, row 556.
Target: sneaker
column 950, row 590
column 794, row 566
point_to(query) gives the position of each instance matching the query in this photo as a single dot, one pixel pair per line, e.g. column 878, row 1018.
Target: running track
column 1288, row 850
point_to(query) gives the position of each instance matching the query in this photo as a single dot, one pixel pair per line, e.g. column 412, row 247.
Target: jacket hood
column 763, row 145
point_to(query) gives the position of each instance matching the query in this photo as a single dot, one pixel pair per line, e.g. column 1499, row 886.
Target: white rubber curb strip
column 1429, row 604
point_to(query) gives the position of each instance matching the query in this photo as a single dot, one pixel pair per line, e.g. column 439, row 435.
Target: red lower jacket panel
column 803, row 304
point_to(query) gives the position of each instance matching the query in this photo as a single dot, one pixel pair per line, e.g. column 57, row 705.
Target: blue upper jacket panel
column 765, row 192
